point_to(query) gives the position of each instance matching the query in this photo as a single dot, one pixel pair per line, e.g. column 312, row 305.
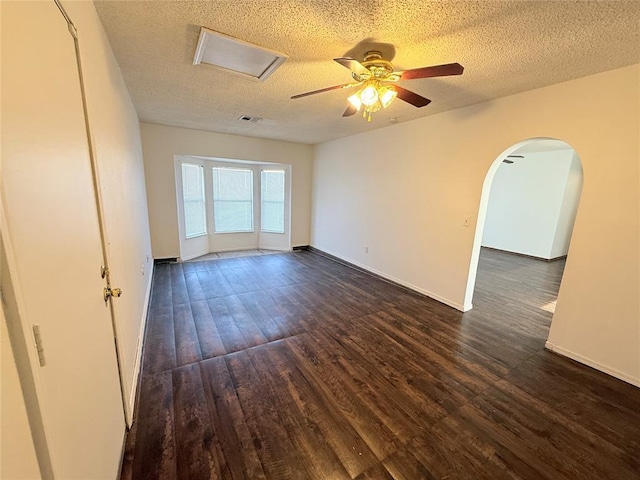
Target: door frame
column 26, row 357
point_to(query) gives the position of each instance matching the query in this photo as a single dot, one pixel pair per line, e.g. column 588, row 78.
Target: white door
column 54, row 244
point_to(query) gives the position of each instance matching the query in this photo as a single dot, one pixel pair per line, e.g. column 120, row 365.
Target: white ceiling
column 505, row 46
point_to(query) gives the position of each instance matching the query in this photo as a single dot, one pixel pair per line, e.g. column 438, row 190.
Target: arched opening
column 528, row 205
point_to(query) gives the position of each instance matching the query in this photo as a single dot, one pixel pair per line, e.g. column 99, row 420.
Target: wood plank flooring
column 292, row 366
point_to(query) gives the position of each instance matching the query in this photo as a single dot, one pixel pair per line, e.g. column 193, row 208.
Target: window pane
column 232, row 200
column 195, row 220
column 272, row 195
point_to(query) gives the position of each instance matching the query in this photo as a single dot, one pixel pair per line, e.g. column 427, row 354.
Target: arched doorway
column 529, row 203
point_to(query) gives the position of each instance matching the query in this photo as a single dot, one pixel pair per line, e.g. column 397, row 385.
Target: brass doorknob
column 111, row 292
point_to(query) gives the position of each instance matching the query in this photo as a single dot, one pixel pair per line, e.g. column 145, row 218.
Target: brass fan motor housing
column 379, row 68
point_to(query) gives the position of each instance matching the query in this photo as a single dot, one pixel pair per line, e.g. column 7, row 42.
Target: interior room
column 320, row 239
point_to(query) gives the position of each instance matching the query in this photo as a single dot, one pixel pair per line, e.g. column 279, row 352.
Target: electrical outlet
column 366, row 249
column 142, row 269
column 466, row 221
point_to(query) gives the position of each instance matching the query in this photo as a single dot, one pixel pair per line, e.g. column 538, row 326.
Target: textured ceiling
column 505, row 46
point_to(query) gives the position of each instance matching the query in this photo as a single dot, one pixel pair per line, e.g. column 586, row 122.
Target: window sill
column 190, row 237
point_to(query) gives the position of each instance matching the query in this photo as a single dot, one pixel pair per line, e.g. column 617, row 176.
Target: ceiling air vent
column 236, row 56
column 250, row 119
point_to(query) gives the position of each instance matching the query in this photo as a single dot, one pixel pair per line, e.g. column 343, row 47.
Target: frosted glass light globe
column 369, row 95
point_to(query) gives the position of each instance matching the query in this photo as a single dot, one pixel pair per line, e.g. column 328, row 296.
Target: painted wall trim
column 592, row 363
column 138, row 360
column 274, row 249
column 549, row 260
column 223, row 250
column 194, row 255
column 389, row 278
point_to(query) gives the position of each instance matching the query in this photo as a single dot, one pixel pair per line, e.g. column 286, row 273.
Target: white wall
column 160, row 143
column 569, row 209
column 526, row 204
column 118, row 148
column 405, row 189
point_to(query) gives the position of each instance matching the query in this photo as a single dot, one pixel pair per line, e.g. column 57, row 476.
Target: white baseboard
column 138, row 360
column 234, row 249
column 592, row 363
column 435, row 296
column 195, row 255
column 274, row 249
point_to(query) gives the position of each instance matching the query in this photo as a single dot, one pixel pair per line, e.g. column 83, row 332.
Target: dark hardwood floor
column 293, row 366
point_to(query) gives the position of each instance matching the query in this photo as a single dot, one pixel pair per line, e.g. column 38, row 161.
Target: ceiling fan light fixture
column 369, row 95
column 355, row 100
column 373, row 97
column 387, row 94
column 373, row 77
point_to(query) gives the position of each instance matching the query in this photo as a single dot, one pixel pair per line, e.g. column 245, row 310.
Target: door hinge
column 40, row 349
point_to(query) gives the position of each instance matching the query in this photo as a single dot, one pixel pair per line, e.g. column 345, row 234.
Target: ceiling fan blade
column 433, row 71
column 351, row 110
column 328, row 89
column 352, row 64
column 411, row 97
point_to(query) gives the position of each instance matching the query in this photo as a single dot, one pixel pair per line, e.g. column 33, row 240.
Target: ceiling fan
column 509, row 157
column 377, row 78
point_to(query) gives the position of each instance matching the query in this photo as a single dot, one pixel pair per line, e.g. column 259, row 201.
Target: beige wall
column 404, row 191
column 17, row 452
column 118, row 148
column 160, row 144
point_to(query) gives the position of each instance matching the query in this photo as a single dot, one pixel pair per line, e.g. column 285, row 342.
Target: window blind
column 195, row 219
column 272, row 201
column 232, row 200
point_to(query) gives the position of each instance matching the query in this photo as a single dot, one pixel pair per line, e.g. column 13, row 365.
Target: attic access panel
column 236, row 56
